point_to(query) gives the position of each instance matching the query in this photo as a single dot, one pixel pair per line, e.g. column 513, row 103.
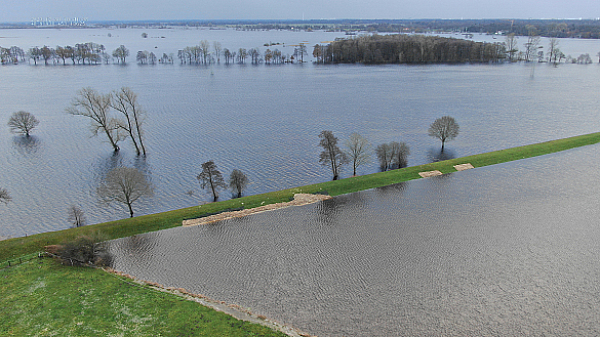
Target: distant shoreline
column 558, row 28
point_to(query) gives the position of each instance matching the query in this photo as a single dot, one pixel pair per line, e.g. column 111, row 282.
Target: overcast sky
column 25, row 10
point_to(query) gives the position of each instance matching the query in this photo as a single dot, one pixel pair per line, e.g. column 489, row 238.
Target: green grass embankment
column 147, row 223
column 45, row 298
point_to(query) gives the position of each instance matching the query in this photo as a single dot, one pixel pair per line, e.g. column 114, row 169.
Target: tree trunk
column 130, row 210
column 214, row 192
column 138, row 130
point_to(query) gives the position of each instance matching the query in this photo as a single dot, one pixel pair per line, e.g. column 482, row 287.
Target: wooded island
column 408, row 49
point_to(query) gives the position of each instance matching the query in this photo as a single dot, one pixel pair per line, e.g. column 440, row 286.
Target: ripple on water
column 493, row 251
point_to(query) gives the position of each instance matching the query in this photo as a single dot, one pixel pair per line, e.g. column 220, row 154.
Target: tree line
column 394, row 155
column 533, row 52
column 366, row 49
column 204, row 53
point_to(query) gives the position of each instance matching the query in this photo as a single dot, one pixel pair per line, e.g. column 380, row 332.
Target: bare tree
column 444, row 128
column 331, row 155
column 384, row 156
column 217, row 48
column 237, row 182
column 511, row 44
column 204, row 50
column 392, row 155
column 211, row 177
column 400, row 152
column 95, row 106
column 22, row 122
column 242, row 54
column 125, row 185
column 76, row 216
column 4, row 196
column 530, row 47
column 358, row 150
column 121, row 54
column 552, row 50
column 124, row 101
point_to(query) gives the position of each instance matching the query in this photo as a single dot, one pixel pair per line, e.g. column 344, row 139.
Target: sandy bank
column 299, row 200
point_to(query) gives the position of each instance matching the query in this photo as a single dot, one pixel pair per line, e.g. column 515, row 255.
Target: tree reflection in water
column 27, row 145
column 435, row 155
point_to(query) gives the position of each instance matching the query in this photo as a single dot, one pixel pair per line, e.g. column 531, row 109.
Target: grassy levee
column 147, row 223
column 44, row 298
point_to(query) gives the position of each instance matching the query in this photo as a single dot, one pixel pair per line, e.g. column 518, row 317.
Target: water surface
column 263, row 120
column 507, row 250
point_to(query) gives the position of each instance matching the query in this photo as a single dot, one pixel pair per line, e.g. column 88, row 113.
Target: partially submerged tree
column 121, row 54
column 384, row 156
column 125, row 185
column 400, row 152
column 392, row 155
column 76, row 216
column 22, row 122
column 444, row 128
column 512, row 47
column 331, row 155
column 237, row 182
column 4, row 196
column 531, row 47
column 211, row 178
column 124, row 101
column 95, row 106
column 358, row 150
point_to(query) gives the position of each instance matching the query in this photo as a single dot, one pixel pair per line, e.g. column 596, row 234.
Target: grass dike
column 13, row 248
column 46, row 298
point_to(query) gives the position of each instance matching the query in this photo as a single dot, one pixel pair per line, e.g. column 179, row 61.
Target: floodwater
column 506, row 250
column 263, row 120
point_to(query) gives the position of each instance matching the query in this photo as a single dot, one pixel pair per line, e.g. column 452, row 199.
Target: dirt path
column 299, row 200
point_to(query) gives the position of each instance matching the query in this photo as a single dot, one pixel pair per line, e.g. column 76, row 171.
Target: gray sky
column 25, row 10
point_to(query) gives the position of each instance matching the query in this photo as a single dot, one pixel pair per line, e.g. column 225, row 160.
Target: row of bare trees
column 358, row 151
column 81, row 53
column 533, row 52
column 203, row 54
column 394, row 155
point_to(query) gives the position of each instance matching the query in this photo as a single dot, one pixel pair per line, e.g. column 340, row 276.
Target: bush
column 84, row 251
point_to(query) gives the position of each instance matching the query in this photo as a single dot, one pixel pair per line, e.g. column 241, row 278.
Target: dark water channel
column 508, row 250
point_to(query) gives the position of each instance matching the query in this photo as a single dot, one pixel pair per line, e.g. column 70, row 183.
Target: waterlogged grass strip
column 147, row 223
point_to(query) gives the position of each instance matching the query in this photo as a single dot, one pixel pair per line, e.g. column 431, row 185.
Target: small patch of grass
column 147, row 223
column 45, row 298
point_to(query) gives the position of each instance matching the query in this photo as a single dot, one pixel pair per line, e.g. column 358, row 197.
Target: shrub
column 85, row 251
